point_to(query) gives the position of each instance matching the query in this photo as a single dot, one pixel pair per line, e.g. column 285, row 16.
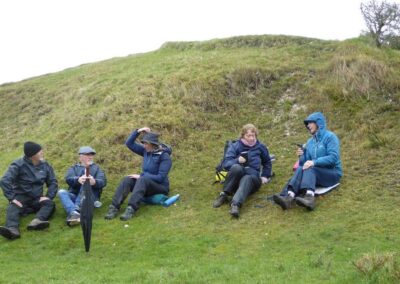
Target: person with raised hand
column 151, row 181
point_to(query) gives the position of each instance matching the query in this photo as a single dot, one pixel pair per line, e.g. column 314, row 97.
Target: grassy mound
column 198, row 95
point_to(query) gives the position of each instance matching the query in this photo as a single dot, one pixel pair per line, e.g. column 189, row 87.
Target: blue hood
column 319, row 119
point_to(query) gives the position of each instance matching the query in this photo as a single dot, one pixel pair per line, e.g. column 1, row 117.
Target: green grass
column 198, row 95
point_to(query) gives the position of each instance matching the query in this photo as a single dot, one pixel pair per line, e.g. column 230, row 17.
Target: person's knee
column 62, row 192
column 309, row 172
column 236, row 169
column 48, row 203
column 126, row 179
column 144, row 180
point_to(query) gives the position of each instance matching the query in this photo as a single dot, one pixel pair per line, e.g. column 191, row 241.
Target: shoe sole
column 8, row 235
column 309, row 208
column 235, row 215
column 108, row 217
column 124, row 218
column 73, row 222
column 40, row 226
column 280, row 203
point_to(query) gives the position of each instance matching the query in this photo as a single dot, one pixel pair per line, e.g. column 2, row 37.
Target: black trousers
column 240, row 185
column 140, row 188
column 43, row 209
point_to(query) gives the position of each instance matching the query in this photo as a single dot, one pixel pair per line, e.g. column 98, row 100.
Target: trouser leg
column 295, row 181
column 318, row 176
column 45, row 209
column 247, row 185
column 145, row 187
column 123, row 189
column 13, row 215
column 67, row 200
column 96, row 194
column 231, row 183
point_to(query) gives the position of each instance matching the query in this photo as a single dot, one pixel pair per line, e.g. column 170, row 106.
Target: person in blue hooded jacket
column 319, row 165
column 249, row 165
column 153, row 179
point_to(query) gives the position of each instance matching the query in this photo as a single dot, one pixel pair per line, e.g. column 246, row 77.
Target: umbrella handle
column 87, row 171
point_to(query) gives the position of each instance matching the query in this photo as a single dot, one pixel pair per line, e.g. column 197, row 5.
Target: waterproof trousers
column 312, row 177
column 43, row 209
column 240, row 185
column 142, row 187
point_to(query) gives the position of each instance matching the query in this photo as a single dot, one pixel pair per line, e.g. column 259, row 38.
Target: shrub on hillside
column 361, row 76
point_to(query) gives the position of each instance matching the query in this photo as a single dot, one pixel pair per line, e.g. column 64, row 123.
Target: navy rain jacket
column 157, row 164
column 22, row 177
column 258, row 156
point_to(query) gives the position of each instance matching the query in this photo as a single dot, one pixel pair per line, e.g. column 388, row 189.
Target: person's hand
column 16, row 202
column 43, row 198
column 82, row 179
column 144, row 129
column 264, row 180
column 135, row 176
column 92, row 181
column 242, row 160
column 308, row 164
column 300, row 151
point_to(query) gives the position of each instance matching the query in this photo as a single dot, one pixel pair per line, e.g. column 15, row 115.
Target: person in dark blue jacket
column 249, row 165
column 319, row 165
column 153, row 179
column 75, row 178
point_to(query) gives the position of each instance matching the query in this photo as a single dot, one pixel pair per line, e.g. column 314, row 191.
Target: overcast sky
column 44, row 36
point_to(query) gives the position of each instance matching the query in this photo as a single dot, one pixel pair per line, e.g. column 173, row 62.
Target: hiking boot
column 37, row 224
column 285, row 202
column 308, row 201
column 221, row 199
column 112, row 212
column 10, row 233
column 127, row 214
column 234, row 210
column 74, row 219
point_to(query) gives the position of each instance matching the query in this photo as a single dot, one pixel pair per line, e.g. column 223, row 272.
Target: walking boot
column 127, row 214
column 112, row 212
column 234, row 210
column 285, row 202
column 74, row 218
column 308, row 201
column 221, row 199
column 10, row 233
column 38, row 224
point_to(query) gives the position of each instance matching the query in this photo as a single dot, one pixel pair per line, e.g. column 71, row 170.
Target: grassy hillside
column 198, row 94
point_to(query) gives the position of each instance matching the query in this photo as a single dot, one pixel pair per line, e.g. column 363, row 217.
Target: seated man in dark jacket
column 153, row 179
column 22, row 185
column 75, row 178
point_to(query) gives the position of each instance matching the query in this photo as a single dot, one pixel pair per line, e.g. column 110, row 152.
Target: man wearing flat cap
column 22, row 185
column 75, row 178
column 153, row 179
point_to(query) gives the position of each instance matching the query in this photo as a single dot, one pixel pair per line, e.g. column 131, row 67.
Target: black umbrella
column 87, row 211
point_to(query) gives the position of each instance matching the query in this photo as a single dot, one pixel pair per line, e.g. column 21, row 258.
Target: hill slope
column 199, row 94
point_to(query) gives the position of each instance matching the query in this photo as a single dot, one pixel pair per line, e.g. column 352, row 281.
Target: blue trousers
column 312, row 177
column 71, row 201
